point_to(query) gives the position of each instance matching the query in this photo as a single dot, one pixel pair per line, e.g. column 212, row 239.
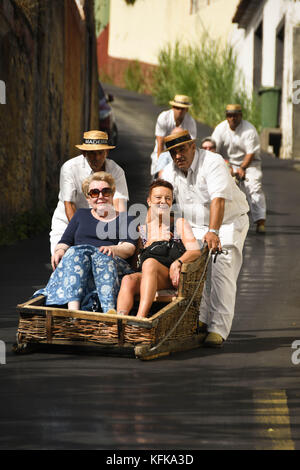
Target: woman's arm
column 123, row 250
column 59, row 252
column 187, row 236
column 192, row 252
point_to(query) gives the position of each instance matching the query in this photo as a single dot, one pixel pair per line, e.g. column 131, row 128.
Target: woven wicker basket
column 174, row 327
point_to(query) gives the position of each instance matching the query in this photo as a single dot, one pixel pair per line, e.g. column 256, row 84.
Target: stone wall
column 48, row 62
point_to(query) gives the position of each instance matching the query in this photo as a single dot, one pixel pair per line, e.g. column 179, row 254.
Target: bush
column 134, row 78
column 25, row 225
column 209, row 75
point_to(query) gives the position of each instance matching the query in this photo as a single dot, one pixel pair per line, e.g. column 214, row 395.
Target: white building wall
column 292, row 18
column 272, row 15
column 142, row 30
column 272, row 12
column 243, row 45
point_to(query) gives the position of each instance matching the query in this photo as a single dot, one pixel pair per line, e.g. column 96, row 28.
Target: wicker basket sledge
column 174, row 327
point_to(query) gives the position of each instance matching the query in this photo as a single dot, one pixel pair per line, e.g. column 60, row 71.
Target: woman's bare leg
column 130, row 286
column 74, row 305
column 155, row 276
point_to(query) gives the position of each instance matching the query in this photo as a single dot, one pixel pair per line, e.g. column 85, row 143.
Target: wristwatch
column 213, row 230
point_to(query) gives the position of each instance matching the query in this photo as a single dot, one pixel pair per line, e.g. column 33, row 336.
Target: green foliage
column 25, row 225
column 101, row 12
column 209, row 75
column 134, row 78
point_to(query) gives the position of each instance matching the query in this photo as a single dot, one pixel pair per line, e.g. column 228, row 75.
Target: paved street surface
column 243, row 396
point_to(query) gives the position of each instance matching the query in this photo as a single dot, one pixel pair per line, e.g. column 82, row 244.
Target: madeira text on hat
column 181, row 101
column 180, row 138
column 95, row 140
column 233, row 108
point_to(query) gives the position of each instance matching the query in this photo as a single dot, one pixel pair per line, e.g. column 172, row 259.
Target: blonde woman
column 92, row 251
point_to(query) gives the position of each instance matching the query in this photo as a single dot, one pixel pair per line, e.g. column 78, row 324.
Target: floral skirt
column 82, row 271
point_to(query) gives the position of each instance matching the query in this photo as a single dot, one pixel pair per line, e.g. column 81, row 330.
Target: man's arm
column 120, row 205
column 67, row 188
column 70, row 209
column 241, row 171
column 217, row 208
column 160, row 145
column 121, row 195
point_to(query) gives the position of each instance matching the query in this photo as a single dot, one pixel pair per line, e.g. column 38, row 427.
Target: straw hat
column 95, row 140
column 233, row 108
column 181, row 101
column 179, row 138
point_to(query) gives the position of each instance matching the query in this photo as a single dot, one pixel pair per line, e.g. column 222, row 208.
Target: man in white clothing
column 238, row 141
column 217, row 210
column 177, row 118
column 95, row 150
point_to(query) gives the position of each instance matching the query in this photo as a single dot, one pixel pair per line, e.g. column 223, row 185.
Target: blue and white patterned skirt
column 82, row 271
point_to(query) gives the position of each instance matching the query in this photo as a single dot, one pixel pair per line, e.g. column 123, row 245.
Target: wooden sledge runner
column 173, row 327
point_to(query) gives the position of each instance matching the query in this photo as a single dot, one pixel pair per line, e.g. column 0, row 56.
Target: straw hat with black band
column 177, row 139
column 95, row 140
column 181, row 101
column 233, row 109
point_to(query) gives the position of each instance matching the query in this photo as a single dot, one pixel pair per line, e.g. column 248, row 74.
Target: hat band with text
column 178, row 140
column 95, row 141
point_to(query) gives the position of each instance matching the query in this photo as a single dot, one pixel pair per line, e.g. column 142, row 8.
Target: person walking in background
column 176, row 118
column 95, row 150
column 238, row 141
column 216, row 209
column 208, row 144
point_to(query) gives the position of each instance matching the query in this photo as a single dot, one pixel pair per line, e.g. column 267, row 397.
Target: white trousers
column 252, row 187
column 154, row 161
column 219, row 293
column 158, row 164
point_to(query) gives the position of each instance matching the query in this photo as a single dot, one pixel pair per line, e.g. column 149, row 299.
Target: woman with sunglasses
column 92, row 251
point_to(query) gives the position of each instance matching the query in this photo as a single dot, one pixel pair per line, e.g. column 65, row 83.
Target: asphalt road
column 243, row 396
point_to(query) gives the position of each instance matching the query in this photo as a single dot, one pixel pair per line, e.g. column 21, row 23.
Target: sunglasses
column 93, row 193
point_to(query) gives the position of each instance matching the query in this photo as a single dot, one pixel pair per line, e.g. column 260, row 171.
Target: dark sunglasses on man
column 93, row 193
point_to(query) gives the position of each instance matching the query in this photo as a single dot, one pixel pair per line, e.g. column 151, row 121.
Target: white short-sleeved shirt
column 208, row 178
column 166, row 123
column 164, row 126
column 73, row 173
column 234, row 145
